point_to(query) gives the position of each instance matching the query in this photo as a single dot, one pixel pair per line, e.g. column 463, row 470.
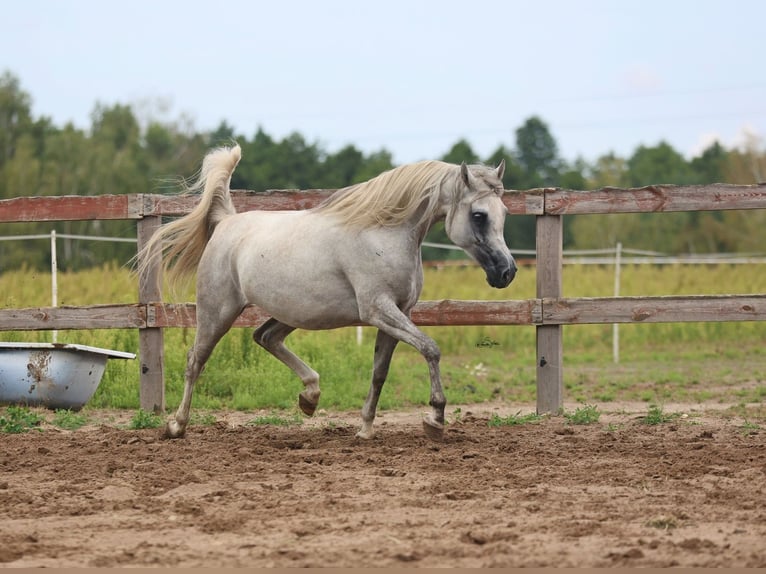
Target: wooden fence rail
column 548, row 312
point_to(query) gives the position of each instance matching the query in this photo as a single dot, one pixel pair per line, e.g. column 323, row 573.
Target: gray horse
column 354, row 258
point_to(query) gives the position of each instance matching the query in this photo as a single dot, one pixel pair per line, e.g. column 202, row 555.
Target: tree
column 658, row 165
column 375, row 164
column 115, row 126
column 159, row 141
column 257, row 169
column 15, row 119
column 746, row 164
column 342, row 168
column 123, row 153
column 571, row 176
column 514, row 173
column 461, row 152
column 22, row 171
column 709, row 166
column 537, row 153
column 519, row 229
column 224, row 134
column 608, row 171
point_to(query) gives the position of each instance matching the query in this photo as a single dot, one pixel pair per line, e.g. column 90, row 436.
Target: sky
column 409, row 76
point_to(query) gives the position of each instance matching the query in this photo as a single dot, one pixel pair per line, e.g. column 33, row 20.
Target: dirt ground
column 690, row 492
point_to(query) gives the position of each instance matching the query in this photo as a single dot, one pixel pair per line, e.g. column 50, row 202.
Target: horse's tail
column 180, row 243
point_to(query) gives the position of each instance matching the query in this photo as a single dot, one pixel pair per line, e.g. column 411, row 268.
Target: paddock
column 688, row 492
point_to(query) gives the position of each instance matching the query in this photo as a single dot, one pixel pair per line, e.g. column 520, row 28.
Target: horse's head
column 475, row 221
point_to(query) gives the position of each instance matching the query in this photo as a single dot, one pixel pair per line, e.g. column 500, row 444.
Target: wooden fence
column 548, row 312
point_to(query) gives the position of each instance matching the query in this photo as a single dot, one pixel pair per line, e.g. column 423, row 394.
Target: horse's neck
column 422, row 226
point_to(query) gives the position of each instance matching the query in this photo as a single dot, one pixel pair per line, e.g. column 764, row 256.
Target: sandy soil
column 615, row 493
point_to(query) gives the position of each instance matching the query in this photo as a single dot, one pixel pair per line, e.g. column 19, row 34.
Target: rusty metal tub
column 53, row 375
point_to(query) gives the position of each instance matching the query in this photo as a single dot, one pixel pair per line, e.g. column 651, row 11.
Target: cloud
column 748, row 139
column 641, row 79
column 704, row 141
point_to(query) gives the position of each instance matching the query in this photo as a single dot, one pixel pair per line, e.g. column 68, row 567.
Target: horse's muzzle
column 500, row 276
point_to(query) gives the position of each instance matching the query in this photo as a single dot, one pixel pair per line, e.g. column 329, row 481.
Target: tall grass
column 478, row 362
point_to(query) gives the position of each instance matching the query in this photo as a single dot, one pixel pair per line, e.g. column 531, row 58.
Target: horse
column 354, row 258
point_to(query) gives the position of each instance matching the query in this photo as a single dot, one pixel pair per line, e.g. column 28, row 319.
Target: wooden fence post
column 151, row 343
column 550, row 354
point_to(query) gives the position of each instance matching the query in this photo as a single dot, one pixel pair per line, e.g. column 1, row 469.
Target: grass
column 657, row 416
column 664, row 523
column 660, row 363
column 749, row 427
column 202, row 419
column 514, row 419
column 145, row 420
column 277, row 420
column 18, row 419
column 69, row 420
column 585, row 415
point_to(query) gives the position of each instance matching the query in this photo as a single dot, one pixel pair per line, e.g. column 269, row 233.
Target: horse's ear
column 464, row 175
column 501, row 169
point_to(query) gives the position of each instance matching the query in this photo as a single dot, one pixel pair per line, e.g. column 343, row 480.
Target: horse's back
column 309, row 270
column 285, row 263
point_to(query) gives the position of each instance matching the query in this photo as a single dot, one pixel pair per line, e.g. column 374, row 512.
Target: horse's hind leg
column 384, row 350
column 213, row 321
column 271, row 336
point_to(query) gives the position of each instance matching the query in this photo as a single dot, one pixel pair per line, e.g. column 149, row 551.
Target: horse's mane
column 393, row 196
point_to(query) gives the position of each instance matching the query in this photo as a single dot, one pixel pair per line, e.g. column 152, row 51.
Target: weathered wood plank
column 663, row 309
column 524, row 202
column 468, row 312
column 151, row 342
column 272, row 200
column 426, row 313
column 546, row 312
column 163, row 315
column 518, row 203
column 550, row 338
column 656, row 198
column 128, row 316
column 537, row 201
column 70, row 208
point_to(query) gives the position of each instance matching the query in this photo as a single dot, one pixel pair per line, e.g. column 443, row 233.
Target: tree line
column 129, row 150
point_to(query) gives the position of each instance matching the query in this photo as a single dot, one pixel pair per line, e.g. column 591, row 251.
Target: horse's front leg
column 387, row 317
column 384, row 350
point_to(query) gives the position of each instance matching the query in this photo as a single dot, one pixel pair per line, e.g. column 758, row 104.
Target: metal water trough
column 53, row 375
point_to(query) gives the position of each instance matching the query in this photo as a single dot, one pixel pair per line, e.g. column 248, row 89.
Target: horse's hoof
column 173, row 430
column 307, row 407
column 433, row 429
column 365, row 433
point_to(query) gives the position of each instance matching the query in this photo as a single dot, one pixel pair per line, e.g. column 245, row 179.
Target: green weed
column 514, row 419
column 145, row 420
column 585, row 415
column 202, row 419
column 750, row 428
column 664, row 523
column 19, row 420
column 69, row 420
column 656, row 416
column 277, row 420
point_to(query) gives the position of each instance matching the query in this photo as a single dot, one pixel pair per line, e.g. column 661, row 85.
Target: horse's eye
column 479, row 217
